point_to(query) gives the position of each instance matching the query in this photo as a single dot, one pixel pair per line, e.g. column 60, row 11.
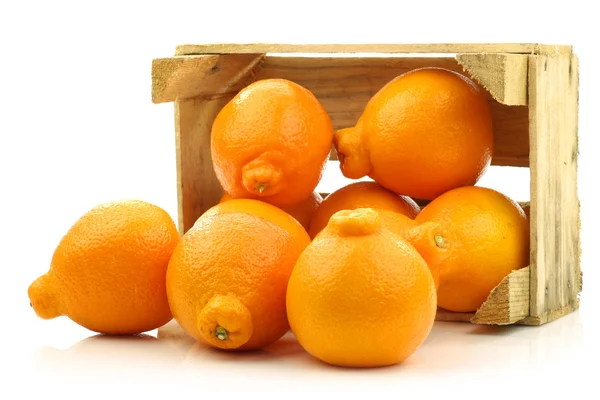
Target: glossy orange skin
column 422, row 236
column 361, row 195
column 231, row 268
column 360, row 295
column 108, row 271
column 491, row 239
column 303, row 212
column 424, row 133
column 271, row 142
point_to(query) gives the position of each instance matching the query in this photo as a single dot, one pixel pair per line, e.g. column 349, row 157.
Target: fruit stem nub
column 439, row 240
column 221, row 333
column 260, row 188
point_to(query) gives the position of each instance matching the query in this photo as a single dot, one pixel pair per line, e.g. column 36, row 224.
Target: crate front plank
column 503, row 75
column 228, row 48
column 554, row 214
column 178, row 78
column 197, row 186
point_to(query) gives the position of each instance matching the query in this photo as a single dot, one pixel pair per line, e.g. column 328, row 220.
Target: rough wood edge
column 178, row 78
column 503, row 75
column 508, row 302
column 227, row 48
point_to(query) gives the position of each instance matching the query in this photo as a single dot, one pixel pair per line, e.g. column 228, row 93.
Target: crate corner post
column 555, row 271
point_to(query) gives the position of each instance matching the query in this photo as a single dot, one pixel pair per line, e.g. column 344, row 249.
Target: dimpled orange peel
column 424, row 133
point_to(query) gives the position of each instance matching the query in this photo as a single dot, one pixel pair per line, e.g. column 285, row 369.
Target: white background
column 77, row 128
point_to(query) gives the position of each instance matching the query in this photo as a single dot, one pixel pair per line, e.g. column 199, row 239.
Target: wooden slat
column 503, row 75
column 555, row 243
column 178, row 78
column 227, row 48
column 508, row 302
column 197, row 186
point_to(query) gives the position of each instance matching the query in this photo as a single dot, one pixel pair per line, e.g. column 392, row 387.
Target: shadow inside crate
column 494, row 330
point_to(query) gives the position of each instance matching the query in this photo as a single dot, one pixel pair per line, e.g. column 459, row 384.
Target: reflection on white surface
column 450, row 347
column 58, row 356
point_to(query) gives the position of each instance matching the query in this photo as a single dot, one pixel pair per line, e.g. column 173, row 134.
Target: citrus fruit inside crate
column 532, row 92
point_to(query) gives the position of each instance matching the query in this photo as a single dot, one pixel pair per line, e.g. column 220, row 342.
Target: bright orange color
column 360, row 295
column 424, row 133
column 361, row 195
column 108, row 272
column 271, row 142
column 227, row 278
column 490, row 239
column 433, row 241
column 303, row 211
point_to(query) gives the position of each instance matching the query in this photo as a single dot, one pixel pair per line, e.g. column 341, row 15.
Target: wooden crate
column 533, row 94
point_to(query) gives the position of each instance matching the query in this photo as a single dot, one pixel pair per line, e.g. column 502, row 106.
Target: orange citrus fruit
column 424, row 133
column 108, row 272
column 432, row 240
column 271, row 142
column 302, row 211
column 360, row 295
column 490, row 239
column 360, row 195
column 227, row 278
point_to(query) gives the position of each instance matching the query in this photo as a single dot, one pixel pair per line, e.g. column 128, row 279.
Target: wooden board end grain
column 508, row 302
column 503, row 75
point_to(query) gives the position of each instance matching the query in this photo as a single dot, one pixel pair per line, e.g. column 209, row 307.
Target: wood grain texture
column 554, row 215
column 178, row 78
column 508, row 302
column 197, row 186
column 227, row 48
column 503, row 75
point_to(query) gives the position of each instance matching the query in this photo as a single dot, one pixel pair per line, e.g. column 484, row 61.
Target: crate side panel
column 197, row 185
column 345, row 85
column 555, row 244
